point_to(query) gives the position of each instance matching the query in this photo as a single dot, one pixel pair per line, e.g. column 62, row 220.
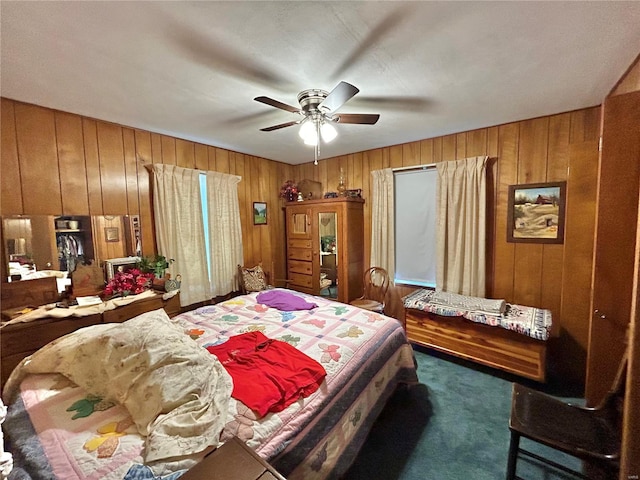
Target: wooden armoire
column 325, row 247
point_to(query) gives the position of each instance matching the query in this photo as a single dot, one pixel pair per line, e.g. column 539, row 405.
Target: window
column 415, row 226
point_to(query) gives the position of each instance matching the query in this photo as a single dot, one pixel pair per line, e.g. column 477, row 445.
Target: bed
column 57, row 429
column 495, row 333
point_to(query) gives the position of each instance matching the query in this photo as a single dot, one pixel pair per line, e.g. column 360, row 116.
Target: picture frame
column 259, row 213
column 122, row 264
column 536, row 212
column 111, row 234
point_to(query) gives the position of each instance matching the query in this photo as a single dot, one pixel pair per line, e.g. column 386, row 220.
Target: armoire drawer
column 299, row 266
column 299, row 243
column 300, row 279
column 299, row 254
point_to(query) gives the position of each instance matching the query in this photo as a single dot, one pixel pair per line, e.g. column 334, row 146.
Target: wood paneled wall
column 553, row 148
column 57, row 163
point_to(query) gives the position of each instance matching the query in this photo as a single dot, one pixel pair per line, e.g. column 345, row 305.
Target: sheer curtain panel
column 461, row 240
column 225, row 232
column 382, row 222
column 180, row 229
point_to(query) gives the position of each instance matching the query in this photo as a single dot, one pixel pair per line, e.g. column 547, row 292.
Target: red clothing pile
column 268, row 375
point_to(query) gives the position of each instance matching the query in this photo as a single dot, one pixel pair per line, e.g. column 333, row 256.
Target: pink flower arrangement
column 132, row 281
column 289, row 190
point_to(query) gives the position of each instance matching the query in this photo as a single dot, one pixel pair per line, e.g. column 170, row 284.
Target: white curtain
column 382, row 222
column 225, row 231
column 180, row 230
column 462, row 187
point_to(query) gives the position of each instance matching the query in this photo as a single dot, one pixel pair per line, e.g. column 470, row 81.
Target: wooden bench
column 493, row 346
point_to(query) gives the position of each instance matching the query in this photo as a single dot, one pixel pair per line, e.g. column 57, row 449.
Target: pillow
column 254, row 279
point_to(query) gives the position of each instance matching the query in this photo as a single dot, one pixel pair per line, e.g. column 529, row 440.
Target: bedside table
column 232, row 461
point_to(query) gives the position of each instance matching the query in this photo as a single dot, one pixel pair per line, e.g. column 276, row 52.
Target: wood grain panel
column 491, row 138
column 112, row 170
column 92, row 162
column 201, row 157
column 168, row 150
column 553, row 255
column 38, row 156
column 476, row 143
column 558, row 150
column 578, row 261
column 426, row 152
column 461, row 146
column 143, row 155
column 508, row 139
column 532, row 166
column 222, row 160
column 131, row 170
column 73, row 170
column 449, row 144
column 11, row 195
column 395, row 156
column 437, row 149
column 156, row 148
column 185, row 154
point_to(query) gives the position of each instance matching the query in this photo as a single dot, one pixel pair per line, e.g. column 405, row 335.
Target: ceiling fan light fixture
column 328, row 132
column 308, row 132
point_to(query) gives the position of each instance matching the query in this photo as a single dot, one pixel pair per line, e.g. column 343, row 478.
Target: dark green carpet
column 453, row 426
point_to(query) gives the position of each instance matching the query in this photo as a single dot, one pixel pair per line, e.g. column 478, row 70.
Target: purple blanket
column 284, row 301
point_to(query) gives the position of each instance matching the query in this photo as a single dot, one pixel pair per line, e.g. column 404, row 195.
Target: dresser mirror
column 54, row 245
column 328, row 254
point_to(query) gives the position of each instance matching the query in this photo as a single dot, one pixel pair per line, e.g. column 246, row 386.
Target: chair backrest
column 252, row 279
column 376, row 284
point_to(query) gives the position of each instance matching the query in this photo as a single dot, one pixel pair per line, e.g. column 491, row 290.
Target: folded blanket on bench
column 530, row 321
column 464, row 302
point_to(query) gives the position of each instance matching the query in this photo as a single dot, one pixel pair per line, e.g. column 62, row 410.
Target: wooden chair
column 376, row 285
column 591, row 434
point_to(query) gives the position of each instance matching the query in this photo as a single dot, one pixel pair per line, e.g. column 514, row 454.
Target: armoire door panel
column 617, row 213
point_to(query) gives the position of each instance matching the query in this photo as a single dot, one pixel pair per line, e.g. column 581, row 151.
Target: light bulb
column 328, row 132
column 307, row 130
column 312, row 139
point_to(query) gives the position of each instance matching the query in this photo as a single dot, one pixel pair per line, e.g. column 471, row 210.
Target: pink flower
column 132, row 281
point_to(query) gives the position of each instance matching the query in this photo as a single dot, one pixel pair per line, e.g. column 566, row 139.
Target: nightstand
column 232, row 461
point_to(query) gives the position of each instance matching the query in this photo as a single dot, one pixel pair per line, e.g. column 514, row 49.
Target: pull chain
column 317, row 149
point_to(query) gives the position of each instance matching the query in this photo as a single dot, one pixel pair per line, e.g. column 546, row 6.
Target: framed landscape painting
column 259, row 213
column 536, row 212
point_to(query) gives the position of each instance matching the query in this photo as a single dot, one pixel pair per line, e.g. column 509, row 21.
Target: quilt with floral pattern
column 61, row 429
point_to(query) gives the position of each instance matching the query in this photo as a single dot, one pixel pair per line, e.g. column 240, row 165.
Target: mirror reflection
column 328, row 254
column 45, row 245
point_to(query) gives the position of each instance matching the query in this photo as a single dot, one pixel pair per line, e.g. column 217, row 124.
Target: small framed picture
column 259, row 213
column 112, row 234
column 536, row 212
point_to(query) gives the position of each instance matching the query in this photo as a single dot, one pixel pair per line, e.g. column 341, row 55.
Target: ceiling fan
column 318, row 111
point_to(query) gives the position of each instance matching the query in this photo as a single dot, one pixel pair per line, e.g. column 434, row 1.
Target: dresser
column 325, row 247
column 19, row 340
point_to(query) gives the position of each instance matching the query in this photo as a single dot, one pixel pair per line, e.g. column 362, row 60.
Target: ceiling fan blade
column 277, row 104
column 362, row 118
column 338, row 97
column 277, row 127
column 387, row 26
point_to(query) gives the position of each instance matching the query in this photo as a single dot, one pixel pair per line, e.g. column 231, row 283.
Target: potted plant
column 156, row 264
